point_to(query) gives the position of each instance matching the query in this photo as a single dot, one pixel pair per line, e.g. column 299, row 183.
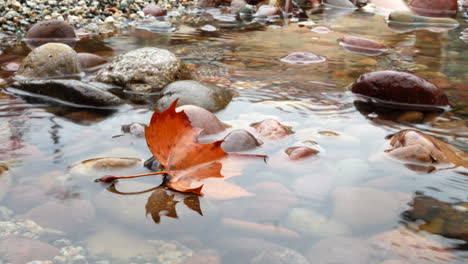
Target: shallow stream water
column 349, row 191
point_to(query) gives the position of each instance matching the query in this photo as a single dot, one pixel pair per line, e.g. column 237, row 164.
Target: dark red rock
column 362, row 45
column 21, row 250
column 50, row 31
column 271, row 129
column 89, row 60
column 434, row 8
column 154, row 10
column 209, row 3
column 297, row 153
column 399, row 88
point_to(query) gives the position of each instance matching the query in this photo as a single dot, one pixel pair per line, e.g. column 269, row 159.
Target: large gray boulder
column 144, row 70
column 205, row 95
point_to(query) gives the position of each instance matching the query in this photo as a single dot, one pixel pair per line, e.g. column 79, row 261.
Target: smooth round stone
column 240, row 140
column 410, row 19
column 366, row 207
column 399, row 88
column 321, row 30
column 297, row 153
column 313, row 186
column 267, row 10
column 205, row 95
column 300, row 58
column 50, row 31
column 271, row 129
column 208, row 28
column 51, row 60
column 88, row 60
column 342, row 250
column 157, row 27
column 362, row 45
column 434, row 8
column 311, row 223
column 154, row 10
column 202, row 118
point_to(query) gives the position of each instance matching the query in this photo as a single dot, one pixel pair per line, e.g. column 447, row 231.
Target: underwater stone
column 240, row 140
column 362, row 45
column 300, row 58
column 399, row 87
column 409, row 18
column 434, row 8
column 50, row 31
column 202, row 118
column 89, row 60
column 154, row 10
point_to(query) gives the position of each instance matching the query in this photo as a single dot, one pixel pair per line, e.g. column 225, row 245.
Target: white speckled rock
column 144, row 70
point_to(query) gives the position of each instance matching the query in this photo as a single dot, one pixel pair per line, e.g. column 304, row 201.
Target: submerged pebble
column 240, row 140
column 299, row 58
column 50, row 31
column 362, row 45
column 157, row 26
column 202, row 118
column 271, row 129
column 434, row 8
column 321, row 30
column 154, row 10
column 402, row 21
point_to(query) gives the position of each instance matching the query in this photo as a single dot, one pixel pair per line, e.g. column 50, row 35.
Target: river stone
column 434, row 8
column 414, row 247
column 311, row 223
column 271, row 201
column 24, row 197
column 51, row 60
column 271, row 129
column 205, row 95
column 5, row 182
column 89, row 60
column 342, row 250
column 154, row 10
column 410, row 18
column 62, row 215
column 21, row 250
column 365, row 207
column 144, row 70
column 362, row 45
column 72, row 91
column 279, row 255
column 399, row 88
column 240, row 140
column 202, row 118
column 340, row 3
column 50, row 31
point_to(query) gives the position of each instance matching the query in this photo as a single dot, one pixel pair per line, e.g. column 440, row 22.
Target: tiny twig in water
column 111, row 178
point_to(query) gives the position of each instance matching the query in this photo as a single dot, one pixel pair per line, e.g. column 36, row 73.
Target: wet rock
column 72, row 91
column 157, row 26
column 88, row 61
column 267, row 10
column 311, row 223
column 362, row 45
column 267, row 230
column 238, row 4
column 297, row 153
column 97, row 167
column 202, row 118
column 321, row 30
column 144, row 70
column 313, row 186
column 271, row 200
column 411, row 117
column 134, row 129
column 434, row 8
column 271, row 129
column 412, row 247
column 364, row 207
column 64, row 216
column 409, row 18
column 51, row 60
column 421, row 149
column 208, row 28
column 392, row 87
column 342, row 250
column 20, row 250
column 446, row 219
column 50, row 31
column 209, row 3
column 279, row 255
column 208, row 96
column 25, row 197
column 341, row 3
column 300, row 58
column 154, row 10
column 240, row 140
column 11, row 66
column 5, row 182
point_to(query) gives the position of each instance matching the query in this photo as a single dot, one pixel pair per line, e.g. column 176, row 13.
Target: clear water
column 38, row 140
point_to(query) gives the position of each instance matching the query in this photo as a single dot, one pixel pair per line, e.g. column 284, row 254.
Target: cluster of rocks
column 18, row 15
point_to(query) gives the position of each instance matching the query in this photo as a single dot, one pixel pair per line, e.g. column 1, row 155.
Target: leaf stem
column 111, row 178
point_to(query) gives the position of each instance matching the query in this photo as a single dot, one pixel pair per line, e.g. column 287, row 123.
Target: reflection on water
column 303, row 209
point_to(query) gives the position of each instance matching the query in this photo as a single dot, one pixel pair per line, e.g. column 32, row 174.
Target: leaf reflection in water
column 162, row 202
